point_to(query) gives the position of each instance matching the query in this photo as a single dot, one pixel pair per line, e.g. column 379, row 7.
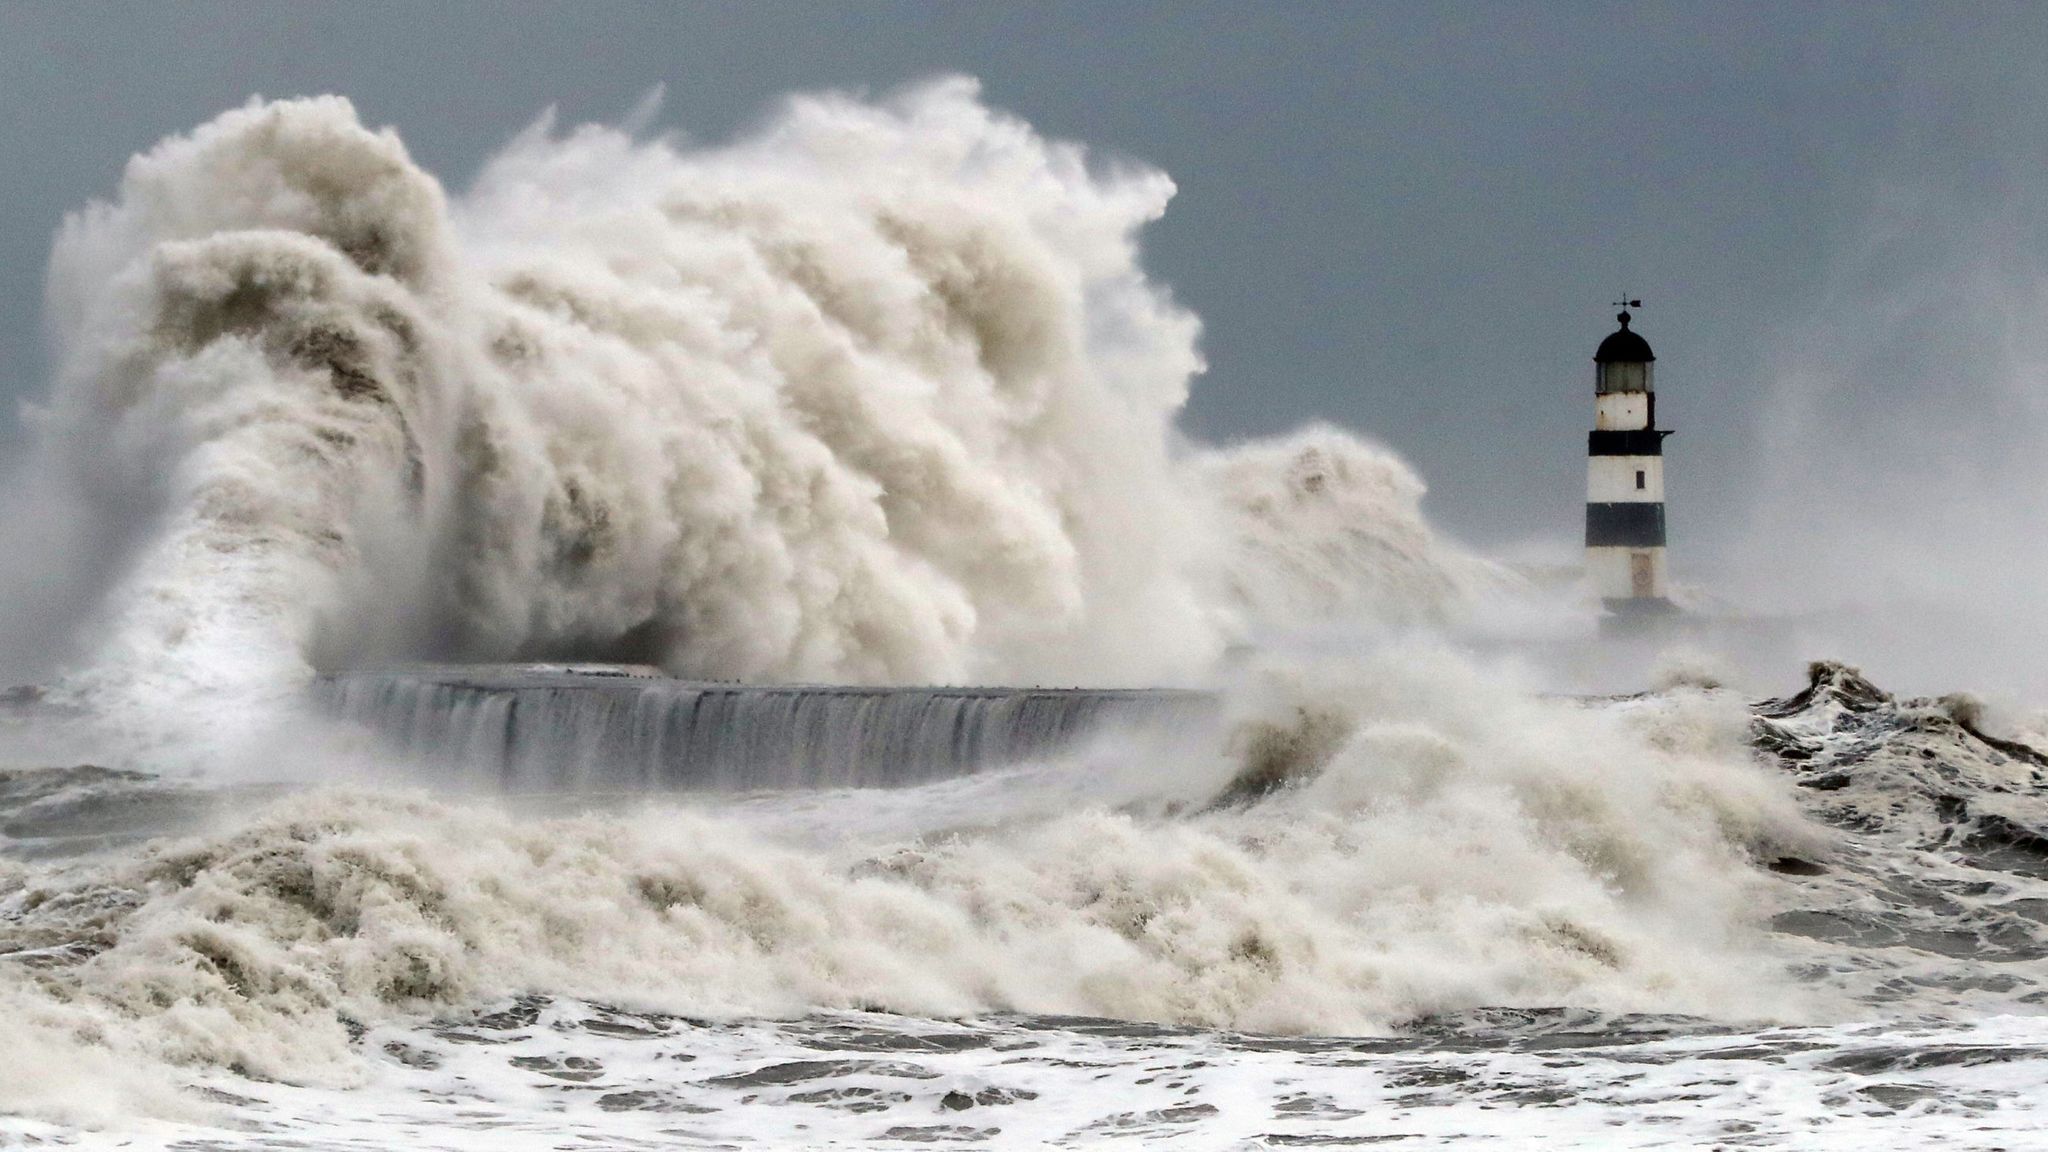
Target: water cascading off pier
column 584, row 728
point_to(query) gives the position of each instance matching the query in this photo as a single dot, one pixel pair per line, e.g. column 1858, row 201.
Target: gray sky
column 1409, row 219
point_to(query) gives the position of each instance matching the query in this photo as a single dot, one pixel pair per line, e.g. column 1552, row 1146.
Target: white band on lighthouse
column 1617, row 479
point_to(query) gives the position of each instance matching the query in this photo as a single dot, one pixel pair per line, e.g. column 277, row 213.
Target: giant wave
column 879, row 394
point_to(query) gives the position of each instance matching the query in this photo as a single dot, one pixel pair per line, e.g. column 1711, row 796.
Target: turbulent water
column 1401, row 901
column 876, row 397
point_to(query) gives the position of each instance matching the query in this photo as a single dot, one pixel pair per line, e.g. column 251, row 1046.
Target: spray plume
column 879, row 393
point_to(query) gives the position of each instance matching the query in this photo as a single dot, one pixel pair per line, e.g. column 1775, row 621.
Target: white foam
column 568, row 1071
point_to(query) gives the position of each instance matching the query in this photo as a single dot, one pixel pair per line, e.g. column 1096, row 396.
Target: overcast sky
column 1409, row 219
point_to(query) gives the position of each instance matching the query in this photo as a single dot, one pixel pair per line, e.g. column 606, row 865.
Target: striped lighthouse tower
column 1625, row 480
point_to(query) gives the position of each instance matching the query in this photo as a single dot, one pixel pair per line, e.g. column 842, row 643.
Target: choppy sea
column 260, row 966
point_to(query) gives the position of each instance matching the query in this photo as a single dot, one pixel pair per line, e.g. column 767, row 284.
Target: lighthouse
column 1625, row 480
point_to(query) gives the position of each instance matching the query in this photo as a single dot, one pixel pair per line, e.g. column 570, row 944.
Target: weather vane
column 1625, row 302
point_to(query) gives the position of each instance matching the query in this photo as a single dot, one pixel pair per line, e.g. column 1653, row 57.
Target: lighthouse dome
column 1624, row 347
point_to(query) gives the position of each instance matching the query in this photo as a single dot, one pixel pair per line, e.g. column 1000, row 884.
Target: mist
column 1898, row 506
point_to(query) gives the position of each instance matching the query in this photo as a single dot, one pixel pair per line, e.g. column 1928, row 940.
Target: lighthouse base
column 1638, row 616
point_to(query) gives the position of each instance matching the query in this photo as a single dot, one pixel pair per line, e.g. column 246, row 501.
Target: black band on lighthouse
column 1632, row 525
column 1634, row 442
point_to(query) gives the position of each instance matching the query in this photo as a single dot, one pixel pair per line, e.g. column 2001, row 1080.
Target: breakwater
column 582, row 727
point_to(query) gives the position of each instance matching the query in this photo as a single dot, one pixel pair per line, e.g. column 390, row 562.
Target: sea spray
column 1323, row 527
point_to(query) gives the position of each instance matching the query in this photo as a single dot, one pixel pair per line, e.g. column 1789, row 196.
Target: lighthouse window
column 1640, row 481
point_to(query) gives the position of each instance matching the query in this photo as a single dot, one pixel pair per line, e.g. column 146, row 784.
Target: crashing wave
column 879, row 394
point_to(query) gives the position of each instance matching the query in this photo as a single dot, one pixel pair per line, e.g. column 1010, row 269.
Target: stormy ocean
column 726, row 646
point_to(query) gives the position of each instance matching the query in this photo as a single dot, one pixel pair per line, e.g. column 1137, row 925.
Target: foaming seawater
column 1363, row 847
column 1514, row 896
column 533, row 1072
